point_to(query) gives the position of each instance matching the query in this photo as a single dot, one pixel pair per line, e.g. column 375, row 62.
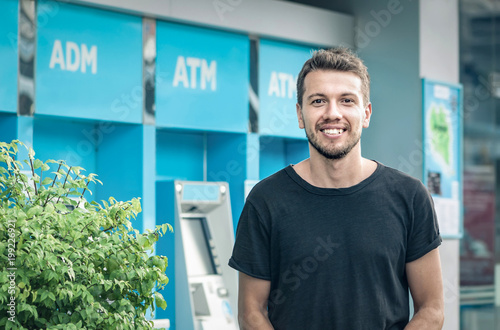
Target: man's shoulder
column 271, row 185
column 395, row 177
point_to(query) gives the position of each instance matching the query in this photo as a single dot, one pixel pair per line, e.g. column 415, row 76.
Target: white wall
column 439, row 40
column 268, row 18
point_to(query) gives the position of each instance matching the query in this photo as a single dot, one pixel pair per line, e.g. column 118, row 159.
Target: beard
column 332, row 152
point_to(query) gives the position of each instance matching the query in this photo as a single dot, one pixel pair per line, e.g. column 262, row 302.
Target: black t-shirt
column 336, row 257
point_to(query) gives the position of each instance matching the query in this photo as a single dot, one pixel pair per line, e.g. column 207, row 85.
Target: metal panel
column 148, row 69
column 27, row 53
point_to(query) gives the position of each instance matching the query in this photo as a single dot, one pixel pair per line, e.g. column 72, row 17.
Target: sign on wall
column 442, row 121
column 9, row 13
column 89, row 64
column 201, row 78
column 279, row 66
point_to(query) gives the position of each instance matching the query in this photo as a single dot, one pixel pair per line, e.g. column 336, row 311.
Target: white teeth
column 333, row 131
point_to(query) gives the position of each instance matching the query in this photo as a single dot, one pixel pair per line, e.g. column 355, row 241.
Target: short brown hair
column 339, row 59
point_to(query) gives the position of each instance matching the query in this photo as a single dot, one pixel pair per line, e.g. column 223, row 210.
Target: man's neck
column 335, row 173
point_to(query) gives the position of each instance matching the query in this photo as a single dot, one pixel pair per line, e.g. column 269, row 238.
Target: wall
column 317, row 26
column 439, row 60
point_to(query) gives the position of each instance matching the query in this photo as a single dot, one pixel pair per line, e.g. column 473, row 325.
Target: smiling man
column 337, row 241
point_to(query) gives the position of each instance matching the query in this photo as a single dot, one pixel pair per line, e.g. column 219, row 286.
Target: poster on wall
column 442, row 133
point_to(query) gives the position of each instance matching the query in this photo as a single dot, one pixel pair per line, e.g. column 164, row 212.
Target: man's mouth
column 333, row 131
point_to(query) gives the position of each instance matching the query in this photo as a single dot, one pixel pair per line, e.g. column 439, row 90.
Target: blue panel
column 119, row 165
column 25, row 135
column 165, row 213
column 89, row 65
column 68, row 141
column 272, row 155
column 8, row 127
column 279, row 66
column 201, row 192
column 296, row 151
column 253, row 153
column 13, row 127
column 65, row 140
column 226, row 161
column 201, row 78
column 9, row 13
column 179, row 155
column 277, row 153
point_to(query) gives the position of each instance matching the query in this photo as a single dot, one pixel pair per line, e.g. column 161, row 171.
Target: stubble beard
column 333, row 153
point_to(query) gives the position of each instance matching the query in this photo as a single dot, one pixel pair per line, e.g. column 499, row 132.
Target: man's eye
column 318, row 101
column 348, row 101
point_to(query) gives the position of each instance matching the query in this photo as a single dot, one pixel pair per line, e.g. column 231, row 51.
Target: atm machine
column 205, row 286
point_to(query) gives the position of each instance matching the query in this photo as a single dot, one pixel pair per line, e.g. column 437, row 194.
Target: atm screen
column 195, row 235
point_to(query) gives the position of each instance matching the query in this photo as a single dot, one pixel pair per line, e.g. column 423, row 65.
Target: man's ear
column 367, row 115
column 299, row 116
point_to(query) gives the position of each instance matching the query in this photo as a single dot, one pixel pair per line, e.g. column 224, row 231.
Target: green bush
column 66, row 263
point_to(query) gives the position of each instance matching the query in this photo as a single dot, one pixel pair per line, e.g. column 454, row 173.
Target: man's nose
column 332, row 112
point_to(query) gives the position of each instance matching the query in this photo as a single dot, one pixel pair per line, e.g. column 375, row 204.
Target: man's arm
column 426, row 287
column 252, row 303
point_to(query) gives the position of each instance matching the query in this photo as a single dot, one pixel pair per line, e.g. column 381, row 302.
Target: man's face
column 332, row 112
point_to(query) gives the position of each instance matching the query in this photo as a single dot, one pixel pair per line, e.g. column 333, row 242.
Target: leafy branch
column 65, row 283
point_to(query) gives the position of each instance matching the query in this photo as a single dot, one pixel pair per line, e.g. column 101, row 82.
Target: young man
column 336, row 241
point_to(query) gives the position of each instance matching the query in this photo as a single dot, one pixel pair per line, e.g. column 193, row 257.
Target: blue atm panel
column 201, row 78
column 89, row 65
column 277, row 153
column 279, row 66
column 9, row 13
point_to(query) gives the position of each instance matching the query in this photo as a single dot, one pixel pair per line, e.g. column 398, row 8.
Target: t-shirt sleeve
column 424, row 229
column 251, row 252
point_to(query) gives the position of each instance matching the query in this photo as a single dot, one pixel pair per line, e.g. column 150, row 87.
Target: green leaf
column 46, row 181
column 142, row 240
column 160, row 301
column 61, row 208
column 71, row 274
column 136, row 205
column 49, row 209
column 35, row 210
column 167, row 227
column 107, row 285
column 37, row 163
